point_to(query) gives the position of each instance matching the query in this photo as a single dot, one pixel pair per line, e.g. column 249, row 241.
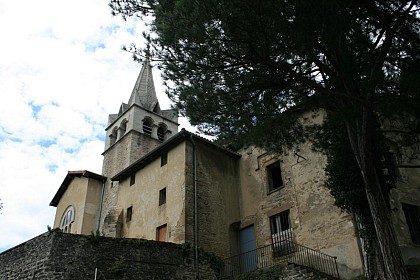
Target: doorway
column 248, row 248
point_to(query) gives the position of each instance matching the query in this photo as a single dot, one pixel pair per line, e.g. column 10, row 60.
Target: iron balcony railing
column 281, row 253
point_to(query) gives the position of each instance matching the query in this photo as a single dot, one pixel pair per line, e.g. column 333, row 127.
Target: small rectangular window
column 129, row 214
column 132, row 179
column 281, row 234
column 412, row 216
column 280, row 222
column 164, row 159
column 161, row 233
column 162, row 196
column 275, row 180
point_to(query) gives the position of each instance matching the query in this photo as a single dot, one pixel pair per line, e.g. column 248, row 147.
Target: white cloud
column 62, row 71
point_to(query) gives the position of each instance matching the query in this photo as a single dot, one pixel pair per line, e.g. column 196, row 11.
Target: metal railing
column 281, row 253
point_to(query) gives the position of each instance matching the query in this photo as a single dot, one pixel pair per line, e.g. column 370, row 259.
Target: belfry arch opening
column 122, row 128
column 147, row 126
column 113, row 136
column 161, row 132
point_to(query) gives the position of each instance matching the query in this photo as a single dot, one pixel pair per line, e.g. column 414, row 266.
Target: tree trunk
column 379, row 263
column 374, row 263
column 362, row 146
column 370, row 265
column 388, row 245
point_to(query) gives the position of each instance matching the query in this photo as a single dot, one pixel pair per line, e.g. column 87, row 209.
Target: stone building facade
column 161, row 184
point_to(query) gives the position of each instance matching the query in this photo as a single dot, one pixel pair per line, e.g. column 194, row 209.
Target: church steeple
column 139, row 127
column 143, row 116
column 144, row 93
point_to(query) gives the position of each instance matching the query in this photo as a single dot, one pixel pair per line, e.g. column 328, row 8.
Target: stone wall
column 56, row 255
column 218, row 206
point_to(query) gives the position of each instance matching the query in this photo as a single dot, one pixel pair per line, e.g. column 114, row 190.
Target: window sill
column 275, row 190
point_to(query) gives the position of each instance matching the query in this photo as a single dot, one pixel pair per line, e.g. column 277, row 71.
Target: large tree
column 346, row 184
column 246, row 70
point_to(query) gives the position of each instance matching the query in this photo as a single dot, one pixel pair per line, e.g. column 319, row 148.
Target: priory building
column 159, row 183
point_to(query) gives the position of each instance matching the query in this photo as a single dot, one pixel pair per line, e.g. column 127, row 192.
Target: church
column 158, row 183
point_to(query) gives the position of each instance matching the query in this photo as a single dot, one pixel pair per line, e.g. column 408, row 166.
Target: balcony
column 283, row 252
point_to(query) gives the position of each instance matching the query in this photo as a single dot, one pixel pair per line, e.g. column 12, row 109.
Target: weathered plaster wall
column 143, row 196
column 218, row 207
column 316, row 222
column 131, row 147
column 92, row 206
column 189, row 193
column 75, row 195
column 59, row 256
column 84, row 195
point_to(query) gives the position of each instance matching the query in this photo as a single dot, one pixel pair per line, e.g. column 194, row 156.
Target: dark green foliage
column 344, row 178
column 118, row 266
column 237, row 66
column 346, row 183
column 94, row 236
column 413, row 268
column 51, row 230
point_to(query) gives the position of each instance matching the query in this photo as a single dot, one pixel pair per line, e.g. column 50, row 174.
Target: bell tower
column 139, row 126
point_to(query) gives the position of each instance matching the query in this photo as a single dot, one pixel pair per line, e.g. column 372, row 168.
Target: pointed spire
column 144, row 93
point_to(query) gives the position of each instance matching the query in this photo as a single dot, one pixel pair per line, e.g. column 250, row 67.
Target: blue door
column 248, row 248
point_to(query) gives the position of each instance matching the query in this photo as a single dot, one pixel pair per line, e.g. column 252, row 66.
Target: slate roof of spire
column 144, row 93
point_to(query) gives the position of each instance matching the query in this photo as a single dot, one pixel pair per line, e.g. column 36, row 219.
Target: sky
column 62, row 71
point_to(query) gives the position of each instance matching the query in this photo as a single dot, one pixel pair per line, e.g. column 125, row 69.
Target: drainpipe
column 100, row 204
column 197, row 268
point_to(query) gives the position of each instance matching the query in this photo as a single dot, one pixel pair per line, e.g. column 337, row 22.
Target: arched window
column 147, row 126
column 113, row 136
column 67, row 219
column 161, row 131
column 122, row 129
